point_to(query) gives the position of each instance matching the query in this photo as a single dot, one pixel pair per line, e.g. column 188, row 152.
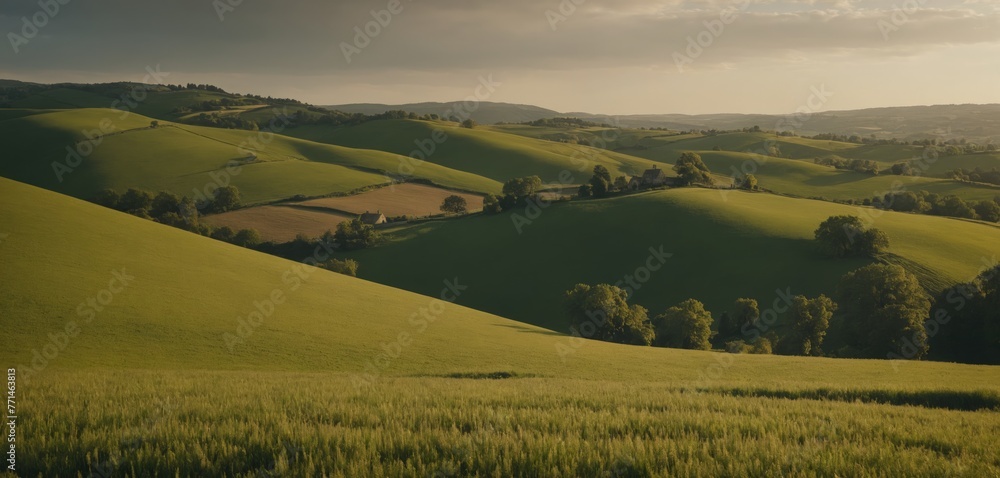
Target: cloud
column 262, row 36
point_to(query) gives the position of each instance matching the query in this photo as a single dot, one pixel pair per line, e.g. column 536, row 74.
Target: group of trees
column 601, row 312
column 165, row 204
column 746, row 181
column 516, row 193
column 181, row 212
column 883, row 314
column 923, row 202
column 601, row 184
column 454, row 204
column 978, row 175
column 964, row 323
column 566, row 123
column 352, row 235
column 848, row 236
column 691, row 169
column 223, row 121
column 867, row 166
column 881, row 311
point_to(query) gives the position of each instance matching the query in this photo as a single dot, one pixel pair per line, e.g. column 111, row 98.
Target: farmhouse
column 373, row 218
column 651, row 178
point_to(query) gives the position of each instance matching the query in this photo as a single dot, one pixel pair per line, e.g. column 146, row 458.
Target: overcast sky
column 601, row 56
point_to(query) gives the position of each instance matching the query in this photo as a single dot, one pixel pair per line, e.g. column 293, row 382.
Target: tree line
column 881, row 310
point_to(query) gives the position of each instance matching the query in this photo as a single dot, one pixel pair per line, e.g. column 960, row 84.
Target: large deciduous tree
column 691, row 169
column 687, row 325
column 885, row 308
column 601, row 312
column 846, row 236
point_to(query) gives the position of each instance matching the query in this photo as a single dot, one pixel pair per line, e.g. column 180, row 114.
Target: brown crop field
column 279, row 223
column 402, row 199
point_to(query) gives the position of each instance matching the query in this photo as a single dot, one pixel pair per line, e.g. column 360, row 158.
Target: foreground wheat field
column 141, row 423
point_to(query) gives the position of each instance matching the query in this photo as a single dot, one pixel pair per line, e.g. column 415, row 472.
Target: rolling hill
column 974, row 122
column 724, row 245
column 486, row 112
column 142, row 346
column 182, row 158
column 481, row 151
column 185, row 292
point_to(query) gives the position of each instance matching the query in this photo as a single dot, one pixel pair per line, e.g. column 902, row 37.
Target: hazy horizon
column 626, row 57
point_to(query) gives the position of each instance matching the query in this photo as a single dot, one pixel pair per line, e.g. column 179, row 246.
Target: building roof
column 653, row 174
column 372, row 217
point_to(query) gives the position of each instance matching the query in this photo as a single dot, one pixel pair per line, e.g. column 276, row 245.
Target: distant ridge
column 485, row 112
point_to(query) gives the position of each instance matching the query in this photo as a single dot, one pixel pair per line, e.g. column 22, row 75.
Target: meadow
column 244, row 424
column 182, row 158
column 724, row 245
column 408, row 199
column 280, row 223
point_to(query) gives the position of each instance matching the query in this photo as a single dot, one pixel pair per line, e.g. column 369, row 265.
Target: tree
column 954, row 206
column 491, row 204
column 602, row 172
column 601, row 312
column 522, row 187
column 745, row 316
column 585, row 191
column 988, row 211
column 347, row 266
column 687, row 325
column 599, row 186
column 691, row 169
column 621, row 183
column 965, row 321
column 108, row 198
column 905, row 201
column 600, row 182
column 469, row 123
column 454, row 204
column 224, row 233
column 811, row 319
column 885, row 308
column 226, row 199
column 163, row 203
column 188, row 211
column 747, row 181
column 846, row 236
column 247, row 238
column 873, row 241
column 135, row 200
column 902, row 169
column 355, row 234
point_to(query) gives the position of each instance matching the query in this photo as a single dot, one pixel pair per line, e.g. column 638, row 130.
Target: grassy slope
column 164, row 395
column 181, row 157
column 795, row 172
column 483, row 151
column 189, row 290
column 725, row 244
column 802, row 178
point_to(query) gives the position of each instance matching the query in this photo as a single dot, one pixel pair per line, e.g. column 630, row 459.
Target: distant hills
column 481, row 112
column 980, row 123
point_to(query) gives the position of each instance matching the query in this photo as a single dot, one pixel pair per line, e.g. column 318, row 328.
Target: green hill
column 482, row 151
column 327, row 383
column 186, row 292
column 181, row 158
column 725, row 245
